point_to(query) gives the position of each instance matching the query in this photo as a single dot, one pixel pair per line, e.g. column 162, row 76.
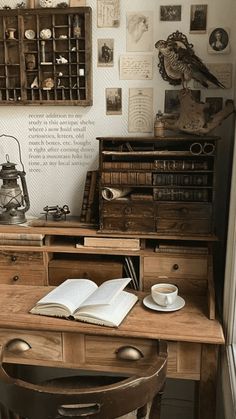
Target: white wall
column 64, row 185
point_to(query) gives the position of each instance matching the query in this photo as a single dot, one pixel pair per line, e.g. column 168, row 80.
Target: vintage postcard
column 170, row 13
column 136, row 67
column 139, row 33
column 223, row 72
column 215, row 104
column 108, row 13
column 140, row 112
column 218, row 42
column 105, row 52
column 114, row 101
column 198, row 18
column 172, row 103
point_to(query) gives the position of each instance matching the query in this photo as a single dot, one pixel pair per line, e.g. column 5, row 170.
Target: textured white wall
column 65, row 185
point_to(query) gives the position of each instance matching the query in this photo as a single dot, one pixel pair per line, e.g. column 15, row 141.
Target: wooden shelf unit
column 171, row 184
column 46, row 56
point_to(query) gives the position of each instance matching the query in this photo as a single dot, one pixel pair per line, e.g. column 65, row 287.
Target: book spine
column 180, row 179
column 18, row 242
column 180, row 165
column 21, row 236
column 179, row 250
column 195, row 195
column 127, row 178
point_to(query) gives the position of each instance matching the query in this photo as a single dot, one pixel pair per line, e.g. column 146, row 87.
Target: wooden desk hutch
column 171, row 184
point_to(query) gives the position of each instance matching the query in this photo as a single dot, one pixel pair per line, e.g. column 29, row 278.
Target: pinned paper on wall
column 140, row 110
column 108, row 13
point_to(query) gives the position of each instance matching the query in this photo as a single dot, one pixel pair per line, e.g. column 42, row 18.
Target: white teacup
column 164, row 294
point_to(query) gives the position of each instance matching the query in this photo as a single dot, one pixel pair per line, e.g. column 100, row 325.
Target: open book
column 82, row 299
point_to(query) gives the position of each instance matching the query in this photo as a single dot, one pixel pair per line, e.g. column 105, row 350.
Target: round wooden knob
column 16, row 278
column 13, row 258
column 175, row 267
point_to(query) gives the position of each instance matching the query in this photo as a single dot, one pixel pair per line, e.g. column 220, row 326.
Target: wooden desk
column 193, row 339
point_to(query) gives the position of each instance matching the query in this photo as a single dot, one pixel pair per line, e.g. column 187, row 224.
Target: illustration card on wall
column 77, row 3
column 136, row 67
column 114, row 101
column 108, row 13
column 139, row 34
column 223, row 72
column 140, row 114
column 105, row 52
column 170, row 13
column 218, row 42
column 198, row 18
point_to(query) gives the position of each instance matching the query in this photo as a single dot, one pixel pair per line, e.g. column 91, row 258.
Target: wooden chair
column 84, row 396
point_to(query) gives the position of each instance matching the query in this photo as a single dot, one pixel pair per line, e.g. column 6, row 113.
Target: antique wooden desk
column 192, row 337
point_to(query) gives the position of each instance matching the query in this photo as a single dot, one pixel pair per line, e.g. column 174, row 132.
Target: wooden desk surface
column 190, row 324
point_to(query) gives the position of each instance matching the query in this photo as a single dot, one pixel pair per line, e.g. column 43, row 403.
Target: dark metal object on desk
column 14, row 202
column 58, row 213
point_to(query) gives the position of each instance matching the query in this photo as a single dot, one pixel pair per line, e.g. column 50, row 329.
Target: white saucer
column 150, row 303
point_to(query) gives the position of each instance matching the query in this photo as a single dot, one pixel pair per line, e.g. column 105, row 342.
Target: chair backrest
column 86, row 396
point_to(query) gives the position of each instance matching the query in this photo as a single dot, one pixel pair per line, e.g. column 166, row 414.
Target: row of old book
column 147, row 178
column 21, row 239
column 180, row 165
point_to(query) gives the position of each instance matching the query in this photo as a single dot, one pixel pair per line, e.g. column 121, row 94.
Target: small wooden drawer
column 167, row 266
column 183, row 226
column 127, row 224
column 111, row 352
column 21, row 276
column 129, row 209
column 184, row 211
column 13, row 258
column 43, row 346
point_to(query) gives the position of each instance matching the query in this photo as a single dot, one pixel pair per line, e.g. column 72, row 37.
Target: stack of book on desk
column 21, row 239
column 112, row 243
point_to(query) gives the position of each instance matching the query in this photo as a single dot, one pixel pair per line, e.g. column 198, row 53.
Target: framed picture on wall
column 170, row 13
column 198, row 18
column 172, row 103
column 218, row 42
column 215, row 104
column 105, row 52
column 114, row 101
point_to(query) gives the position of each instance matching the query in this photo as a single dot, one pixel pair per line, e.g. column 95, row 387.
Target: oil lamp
column 14, row 201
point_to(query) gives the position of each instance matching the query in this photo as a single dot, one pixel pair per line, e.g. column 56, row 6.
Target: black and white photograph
column 114, row 101
column 105, row 52
column 172, row 103
column 215, row 104
column 198, row 18
column 219, row 41
column 170, row 13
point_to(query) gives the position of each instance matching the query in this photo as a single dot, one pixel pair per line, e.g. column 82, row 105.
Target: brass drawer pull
column 129, row 353
column 17, row 346
column 15, row 278
column 175, row 267
column 13, row 258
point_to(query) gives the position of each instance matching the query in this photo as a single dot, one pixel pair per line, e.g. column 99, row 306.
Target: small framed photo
column 170, row 13
column 172, row 103
column 219, row 41
column 198, row 18
column 215, row 104
column 105, row 52
column 114, row 101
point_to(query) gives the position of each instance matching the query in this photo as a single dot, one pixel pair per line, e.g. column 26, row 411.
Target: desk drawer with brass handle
column 42, row 346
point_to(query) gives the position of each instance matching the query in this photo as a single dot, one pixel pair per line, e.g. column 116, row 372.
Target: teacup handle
column 168, row 300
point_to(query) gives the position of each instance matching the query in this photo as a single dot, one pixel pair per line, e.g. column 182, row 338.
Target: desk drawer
column 13, row 258
column 175, row 266
column 44, row 346
column 22, row 276
column 100, row 351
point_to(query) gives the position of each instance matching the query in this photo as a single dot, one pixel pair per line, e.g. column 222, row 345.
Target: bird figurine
column 179, row 63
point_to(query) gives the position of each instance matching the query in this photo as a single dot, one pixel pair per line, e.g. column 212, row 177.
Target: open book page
column 68, row 295
column 106, row 293
column 109, row 315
